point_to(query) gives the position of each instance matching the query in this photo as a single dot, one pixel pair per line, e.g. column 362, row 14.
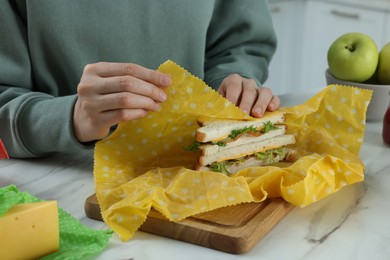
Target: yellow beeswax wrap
column 143, row 163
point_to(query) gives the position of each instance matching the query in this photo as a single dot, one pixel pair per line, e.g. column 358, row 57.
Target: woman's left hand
column 249, row 97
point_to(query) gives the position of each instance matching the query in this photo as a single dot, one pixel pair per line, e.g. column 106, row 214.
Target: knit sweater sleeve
column 241, row 39
column 32, row 124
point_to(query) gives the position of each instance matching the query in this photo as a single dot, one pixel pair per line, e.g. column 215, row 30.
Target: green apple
column 353, row 57
column 383, row 70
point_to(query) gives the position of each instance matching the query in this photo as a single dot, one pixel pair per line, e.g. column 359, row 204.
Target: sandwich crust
column 216, row 130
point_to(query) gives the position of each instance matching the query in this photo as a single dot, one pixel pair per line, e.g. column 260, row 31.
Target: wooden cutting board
column 235, row 229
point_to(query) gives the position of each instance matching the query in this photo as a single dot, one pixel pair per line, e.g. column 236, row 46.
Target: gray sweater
column 45, row 45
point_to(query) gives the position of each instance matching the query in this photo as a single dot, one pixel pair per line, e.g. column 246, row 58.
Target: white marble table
column 351, row 224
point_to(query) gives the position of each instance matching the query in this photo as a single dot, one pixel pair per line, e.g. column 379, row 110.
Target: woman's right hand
column 110, row 93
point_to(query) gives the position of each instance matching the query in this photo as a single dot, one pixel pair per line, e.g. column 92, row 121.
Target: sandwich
column 228, row 146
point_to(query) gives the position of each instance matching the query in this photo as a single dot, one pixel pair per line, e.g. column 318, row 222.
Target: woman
column 69, row 72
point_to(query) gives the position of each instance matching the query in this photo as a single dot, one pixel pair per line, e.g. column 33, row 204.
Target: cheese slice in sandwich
column 231, row 145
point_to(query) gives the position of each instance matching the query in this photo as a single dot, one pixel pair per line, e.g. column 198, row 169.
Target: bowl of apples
column 354, row 60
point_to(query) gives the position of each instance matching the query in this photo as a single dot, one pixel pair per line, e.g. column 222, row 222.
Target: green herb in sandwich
column 223, row 144
column 270, row 154
column 195, row 145
column 219, row 167
column 247, row 129
column 268, row 126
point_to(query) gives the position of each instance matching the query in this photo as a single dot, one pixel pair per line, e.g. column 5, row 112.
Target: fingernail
column 163, row 96
column 166, row 80
column 245, row 111
column 156, row 107
column 258, row 111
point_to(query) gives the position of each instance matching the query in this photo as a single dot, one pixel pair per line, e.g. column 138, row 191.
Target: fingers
column 98, row 126
column 264, row 96
column 110, row 93
column 231, row 88
column 108, row 69
column 113, row 117
column 248, row 96
column 129, row 84
column 274, row 104
column 122, row 100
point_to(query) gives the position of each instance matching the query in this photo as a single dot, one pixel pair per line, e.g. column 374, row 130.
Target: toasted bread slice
column 247, row 149
column 209, row 149
column 215, row 130
column 289, row 156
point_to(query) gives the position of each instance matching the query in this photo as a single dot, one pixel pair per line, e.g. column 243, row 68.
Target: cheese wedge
column 29, row 231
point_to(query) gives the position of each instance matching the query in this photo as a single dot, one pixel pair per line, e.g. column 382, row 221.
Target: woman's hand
column 109, row 93
column 245, row 93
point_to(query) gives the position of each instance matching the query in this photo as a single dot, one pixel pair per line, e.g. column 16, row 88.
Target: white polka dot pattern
column 143, row 163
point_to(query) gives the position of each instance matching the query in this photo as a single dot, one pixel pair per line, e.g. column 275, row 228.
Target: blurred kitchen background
column 305, row 30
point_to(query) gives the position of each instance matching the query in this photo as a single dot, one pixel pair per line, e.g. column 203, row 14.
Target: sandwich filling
column 268, row 157
column 229, row 146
